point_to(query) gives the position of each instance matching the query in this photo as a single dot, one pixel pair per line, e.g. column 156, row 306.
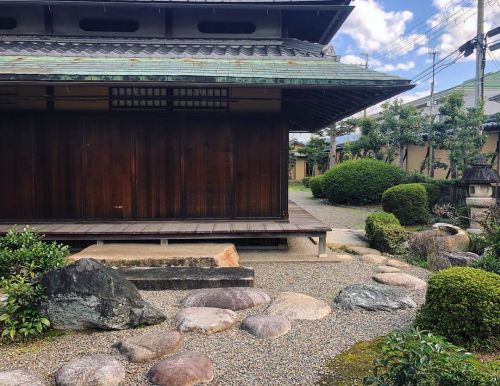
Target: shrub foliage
column 463, row 305
column 23, row 258
column 385, row 233
column 408, row 202
column 305, row 181
column 360, row 181
column 433, row 193
column 315, row 185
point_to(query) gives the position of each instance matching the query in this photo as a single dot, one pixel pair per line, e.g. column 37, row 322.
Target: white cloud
column 377, row 65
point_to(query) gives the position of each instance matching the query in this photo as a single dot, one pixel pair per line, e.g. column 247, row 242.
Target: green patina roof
column 302, row 72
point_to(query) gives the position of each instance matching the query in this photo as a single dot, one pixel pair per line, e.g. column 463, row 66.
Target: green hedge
column 463, row 305
column 408, row 202
column 315, row 185
column 385, row 233
column 433, row 193
column 305, row 181
column 360, row 181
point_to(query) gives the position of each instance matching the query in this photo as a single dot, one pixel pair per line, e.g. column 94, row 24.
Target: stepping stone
column 184, row 369
column 386, row 269
column 341, row 257
column 298, row 306
column 233, row 298
column 373, row 297
column 205, row 319
column 373, row 259
column 361, row 250
column 101, row 370
column 400, row 279
column 397, row 264
column 146, row 347
column 20, row 377
column 266, row 326
column 184, row 278
column 155, row 255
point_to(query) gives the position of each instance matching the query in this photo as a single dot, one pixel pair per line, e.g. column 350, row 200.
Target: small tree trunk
column 432, row 156
column 332, row 160
column 401, row 156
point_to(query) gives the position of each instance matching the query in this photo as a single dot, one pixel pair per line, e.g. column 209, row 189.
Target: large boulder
column 89, row 295
column 266, row 326
column 298, row 306
column 443, row 260
column 231, row 298
column 93, row 370
column 149, row 346
column 20, row 377
column 206, row 320
column 452, row 238
column 373, row 297
column 184, row 369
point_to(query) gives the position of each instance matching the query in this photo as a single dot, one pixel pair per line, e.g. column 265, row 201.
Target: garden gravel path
column 239, row 358
column 336, row 216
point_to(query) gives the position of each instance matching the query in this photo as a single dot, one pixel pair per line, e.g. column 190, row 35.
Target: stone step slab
column 21, row 377
column 294, row 305
column 102, row 370
column 400, row 279
column 373, row 259
column 206, row 320
column 397, row 264
column 183, row 369
column 184, row 278
column 266, row 326
column 233, row 298
column 386, row 269
column 146, row 347
column 373, row 297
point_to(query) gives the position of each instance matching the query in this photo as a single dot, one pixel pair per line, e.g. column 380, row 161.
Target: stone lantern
column 479, row 179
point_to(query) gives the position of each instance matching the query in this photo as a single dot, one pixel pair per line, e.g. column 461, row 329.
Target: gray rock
column 266, row 326
column 298, row 306
column 94, row 370
column 184, row 369
column 20, row 377
column 444, row 260
column 87, row 294
column 400, row 279
column 373, row 297
column 232, row 298
column 146, row 347
column 206, row 320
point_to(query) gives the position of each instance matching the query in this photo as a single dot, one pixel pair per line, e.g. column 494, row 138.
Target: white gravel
column 239, row 358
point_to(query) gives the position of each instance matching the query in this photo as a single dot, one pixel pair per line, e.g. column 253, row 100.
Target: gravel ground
column 239, row 358
column 336, row 216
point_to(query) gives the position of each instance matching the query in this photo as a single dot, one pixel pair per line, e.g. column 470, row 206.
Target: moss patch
column 351, row 366
column 297, row 186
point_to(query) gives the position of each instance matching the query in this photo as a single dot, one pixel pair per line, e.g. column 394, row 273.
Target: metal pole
column 366, row 67
column 431, row 111
column 479, row 53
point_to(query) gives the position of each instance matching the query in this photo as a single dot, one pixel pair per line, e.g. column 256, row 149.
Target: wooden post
column 99, row 242
column 163, row 242
column 322, row 246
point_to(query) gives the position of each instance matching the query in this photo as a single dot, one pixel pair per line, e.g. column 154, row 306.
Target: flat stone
column 146, row 347
column 400, row 279
column 183, row 369
column 20, row 377
column 397, row 264
column 184, row 278
column 386, row 269
column 206, row 320
column 94, row 370
column 373, row 259
column 233, row 298
column 155, row 255
column 373, row 297
column 361, row 250
column 298, row 306
column 266, row 326
column 341, row 257
column 89, row 295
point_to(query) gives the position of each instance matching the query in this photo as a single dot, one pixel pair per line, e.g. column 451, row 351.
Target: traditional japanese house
column 160, row 119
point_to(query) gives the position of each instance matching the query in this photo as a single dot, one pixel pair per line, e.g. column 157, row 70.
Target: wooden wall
column 133, row 166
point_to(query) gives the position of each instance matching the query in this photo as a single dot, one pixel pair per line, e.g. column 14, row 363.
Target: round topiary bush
column 432, row 193
column 385, row 233
column 315, row 185
column 360, row 181
column 463, row 305
column 408, row 202
column 377, row 218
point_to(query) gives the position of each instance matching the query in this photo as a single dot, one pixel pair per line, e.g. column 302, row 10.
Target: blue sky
column 396, row 36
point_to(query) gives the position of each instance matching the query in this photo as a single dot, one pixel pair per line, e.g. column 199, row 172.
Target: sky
column 399, row 35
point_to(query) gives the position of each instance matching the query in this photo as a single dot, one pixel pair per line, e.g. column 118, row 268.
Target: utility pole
column 480, row 54
column 366, row 67
column 431, row 111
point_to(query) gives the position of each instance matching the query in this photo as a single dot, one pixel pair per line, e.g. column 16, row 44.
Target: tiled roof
column 114, row 47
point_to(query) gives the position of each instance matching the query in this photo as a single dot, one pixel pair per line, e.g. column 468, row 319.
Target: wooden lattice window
column 200, row 98
column 138, row 98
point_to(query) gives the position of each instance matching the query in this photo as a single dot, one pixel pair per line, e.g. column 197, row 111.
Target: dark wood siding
column 107, row 166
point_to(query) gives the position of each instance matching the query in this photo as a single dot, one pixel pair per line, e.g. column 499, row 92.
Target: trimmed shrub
column 408, row 202
column 315, row 185
column 360, row 181
column 385, row 233
column 463, row 305
column 433, row 193
column 421, row 358
column 305, row 181
column 490, row 261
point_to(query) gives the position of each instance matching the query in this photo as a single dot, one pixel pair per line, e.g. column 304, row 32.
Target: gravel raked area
column 238, row 357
